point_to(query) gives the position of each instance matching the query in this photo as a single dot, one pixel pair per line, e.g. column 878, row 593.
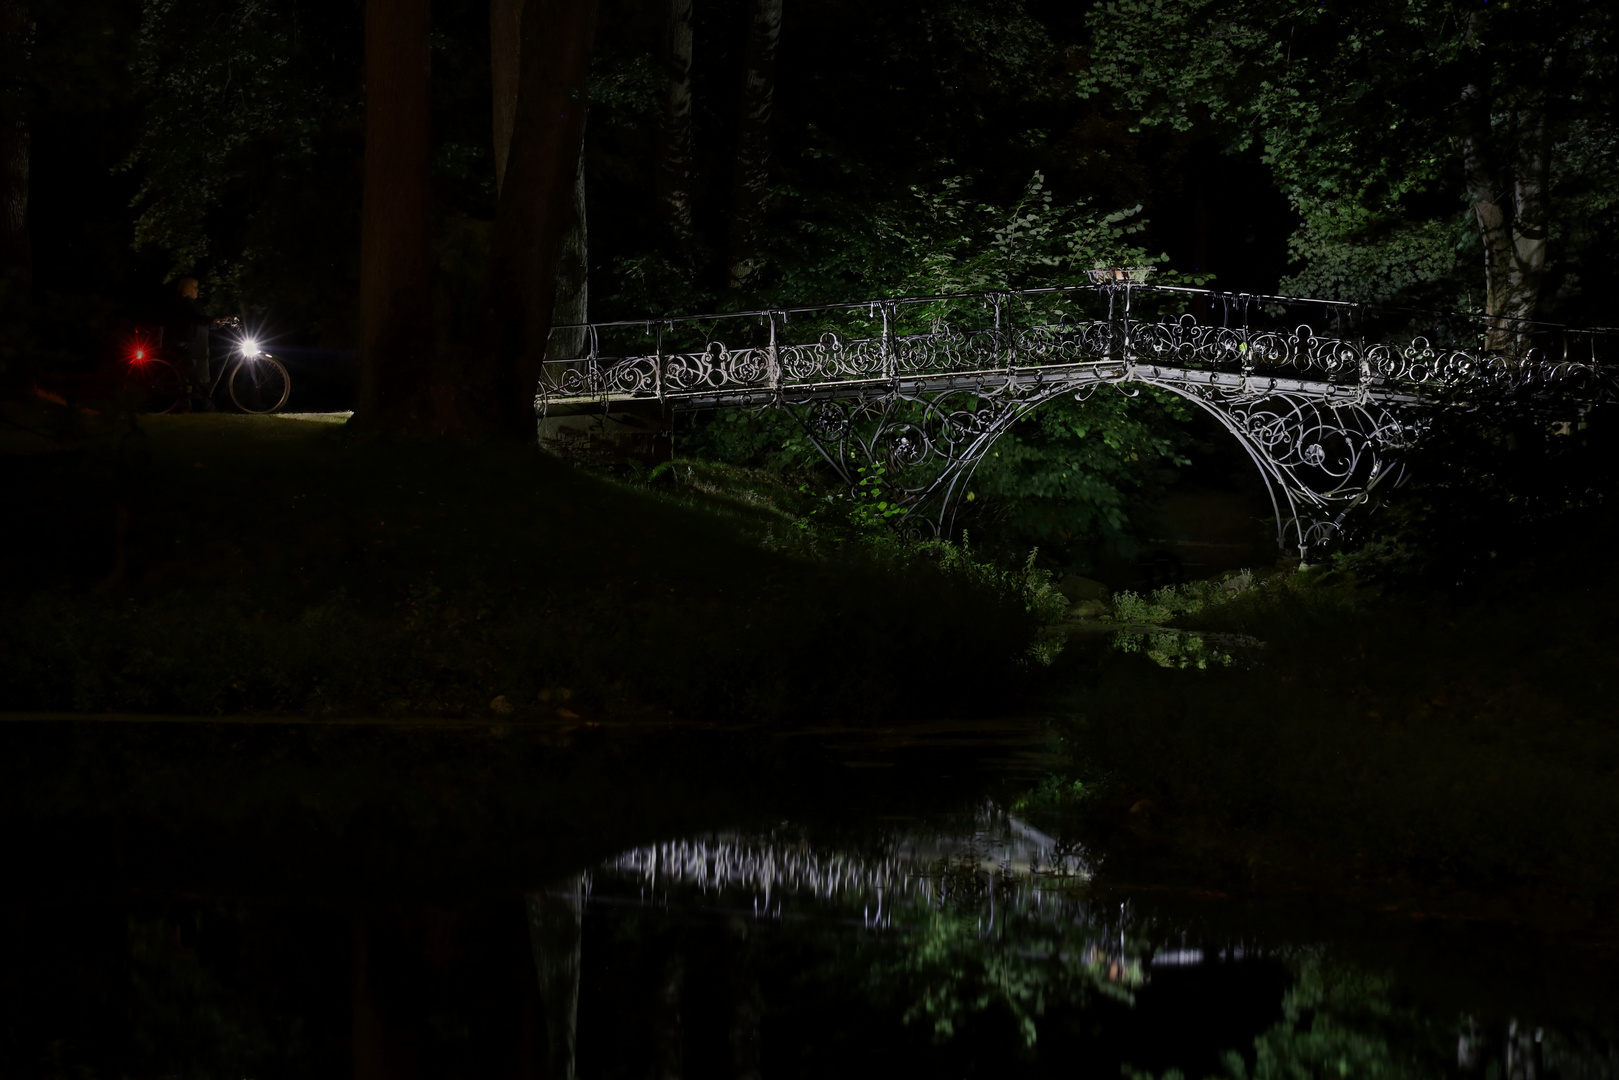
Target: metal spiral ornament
column 1327, row 419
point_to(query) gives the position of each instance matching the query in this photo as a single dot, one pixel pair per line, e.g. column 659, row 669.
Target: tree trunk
column 1531, row 175
column 573, row 270
column 555, row 925
column 573, row 276
column 505, row 23
column 398, row 389
column 536, row 200
column 1512, row 222
column 674, row 160
column 1488, row 209
column 753, row 142
column 16, row 255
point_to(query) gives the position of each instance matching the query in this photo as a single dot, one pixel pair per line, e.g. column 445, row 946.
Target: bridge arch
column 1318, row 459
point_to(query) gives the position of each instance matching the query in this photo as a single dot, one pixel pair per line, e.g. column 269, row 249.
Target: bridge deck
column 765, row 392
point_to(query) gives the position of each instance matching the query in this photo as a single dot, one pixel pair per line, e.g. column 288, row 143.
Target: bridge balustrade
column 1324, row 396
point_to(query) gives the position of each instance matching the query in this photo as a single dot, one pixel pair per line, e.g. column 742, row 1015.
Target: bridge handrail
column 1103, row 290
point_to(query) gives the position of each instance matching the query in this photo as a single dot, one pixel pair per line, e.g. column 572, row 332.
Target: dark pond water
column 272, row 900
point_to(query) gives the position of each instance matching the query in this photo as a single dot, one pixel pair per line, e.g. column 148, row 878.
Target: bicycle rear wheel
column 155, row 385
column 260, row 384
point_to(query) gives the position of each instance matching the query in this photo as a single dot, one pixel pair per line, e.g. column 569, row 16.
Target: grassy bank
column 219, row 564
column 1463, row 748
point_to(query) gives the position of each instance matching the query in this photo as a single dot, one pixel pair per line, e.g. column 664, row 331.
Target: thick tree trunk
column 573, row 270
column 505, row 23
column 399, row 390
column 675, row 157
column 573, row 275
column 16, row 255
column 536, row 201
column 753, row 142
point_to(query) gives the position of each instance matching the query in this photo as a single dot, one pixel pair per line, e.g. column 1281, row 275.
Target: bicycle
column 256, row 381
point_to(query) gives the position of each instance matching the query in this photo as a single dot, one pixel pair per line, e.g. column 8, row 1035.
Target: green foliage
column 1031, row 584
column 1180, row 649
column 1374, row 257
column 1353, row 106
column 949, row 971
column 865, row 510
column 1173, row 649
column 1171, row 602
column 955, row 244
column 1053, row 793
column 1071, row 475
column 1073, row 471
column 763, row 438
column 1337, row 1021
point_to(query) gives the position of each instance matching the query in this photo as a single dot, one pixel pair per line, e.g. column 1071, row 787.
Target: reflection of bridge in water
column 999, row 861
column 911, row 393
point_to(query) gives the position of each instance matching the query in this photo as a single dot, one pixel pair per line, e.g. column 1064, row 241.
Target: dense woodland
column 395, row 182
column 742, row 152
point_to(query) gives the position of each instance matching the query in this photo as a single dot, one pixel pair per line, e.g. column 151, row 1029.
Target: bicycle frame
column 237, row 359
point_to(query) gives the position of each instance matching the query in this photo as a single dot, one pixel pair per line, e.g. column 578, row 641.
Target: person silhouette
column 185, row 332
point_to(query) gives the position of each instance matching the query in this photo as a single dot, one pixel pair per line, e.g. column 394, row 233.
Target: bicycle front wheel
column 260, row 384
column 155, row 385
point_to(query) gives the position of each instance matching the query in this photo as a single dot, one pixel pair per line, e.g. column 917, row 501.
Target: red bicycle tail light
column 142, row 346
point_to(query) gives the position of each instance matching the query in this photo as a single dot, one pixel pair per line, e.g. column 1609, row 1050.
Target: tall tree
column 1507, row 167
column 753, row 141
column 537, row 196
column 573, row 269
column 400, row 390
column 1364, row 109
column 675, row 149
column 16, row 257
column 505, row 54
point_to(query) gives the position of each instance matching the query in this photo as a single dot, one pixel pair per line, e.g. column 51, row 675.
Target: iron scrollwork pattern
column 1326, row 419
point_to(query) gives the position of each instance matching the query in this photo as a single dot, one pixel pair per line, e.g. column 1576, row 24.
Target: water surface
column 273, row 900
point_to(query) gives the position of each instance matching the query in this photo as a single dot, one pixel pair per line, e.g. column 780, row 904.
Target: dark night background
column 311, row 725
column 863, row 110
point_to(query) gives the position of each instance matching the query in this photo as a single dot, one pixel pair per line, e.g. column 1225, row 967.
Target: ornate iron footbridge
column 1326, row 397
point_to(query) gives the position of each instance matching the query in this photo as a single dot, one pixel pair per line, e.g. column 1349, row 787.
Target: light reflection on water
column 994, row 855
column 982, row 942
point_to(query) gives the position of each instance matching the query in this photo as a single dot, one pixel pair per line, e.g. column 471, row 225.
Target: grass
column 1469, row 745
column 222, row 564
